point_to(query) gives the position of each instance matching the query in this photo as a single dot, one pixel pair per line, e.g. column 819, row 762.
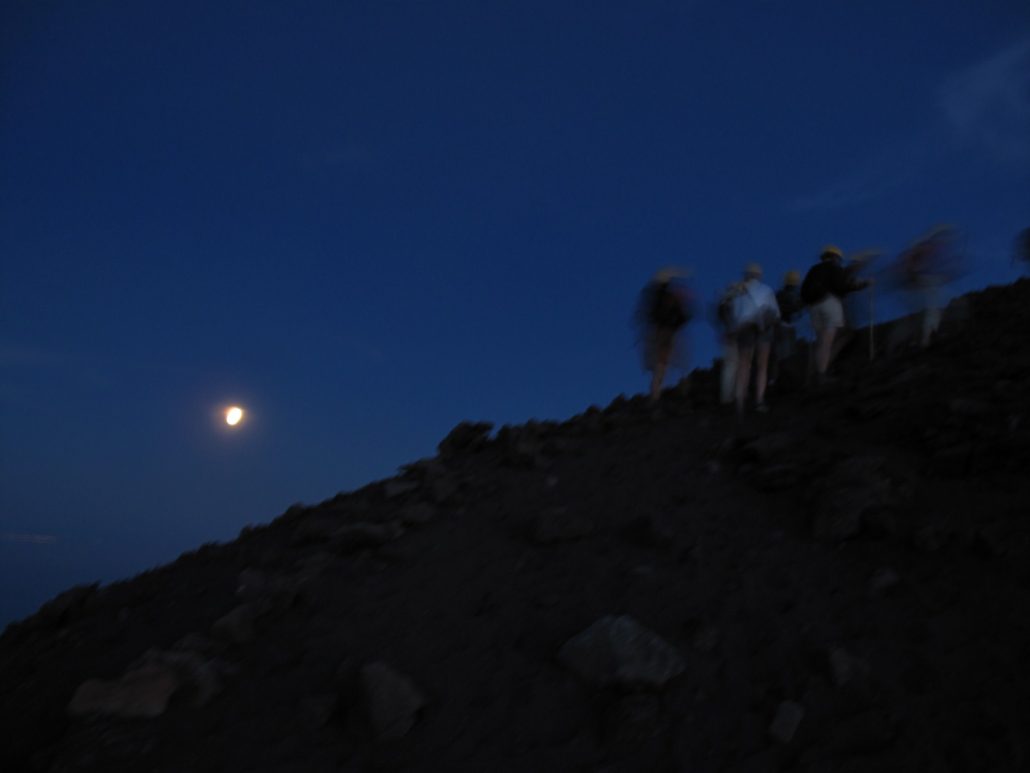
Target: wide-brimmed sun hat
column 669, row 273
column 831, row 252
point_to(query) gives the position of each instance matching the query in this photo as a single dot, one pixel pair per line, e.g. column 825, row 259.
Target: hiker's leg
column 657, row 377
column 791, row 351
column 931, row 324
column 932, row 313
column 728, row 372
column 744, row 357
column 761, row 367
column 830, row 316
column 664, row 341
column 658, row 374
column 823, row 347
column 841, row 339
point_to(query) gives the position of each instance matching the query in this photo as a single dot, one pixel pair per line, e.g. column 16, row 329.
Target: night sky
column 367, row 221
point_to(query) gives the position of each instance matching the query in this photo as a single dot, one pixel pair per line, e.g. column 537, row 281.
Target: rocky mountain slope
column 841, row 584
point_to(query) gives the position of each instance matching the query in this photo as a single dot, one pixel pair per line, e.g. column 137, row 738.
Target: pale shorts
column 827, row 314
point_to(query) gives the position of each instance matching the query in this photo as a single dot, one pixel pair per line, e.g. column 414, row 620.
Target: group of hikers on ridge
column 758, row 327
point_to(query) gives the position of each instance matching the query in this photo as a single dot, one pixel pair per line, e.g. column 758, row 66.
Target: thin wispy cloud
column 864, row 185
column 83, row 368
column 31, row 539
column 101, row 371
column 19, row 356
column 984, row 106
column 988, row 104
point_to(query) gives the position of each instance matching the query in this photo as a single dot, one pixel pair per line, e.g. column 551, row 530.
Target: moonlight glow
column 233, row 416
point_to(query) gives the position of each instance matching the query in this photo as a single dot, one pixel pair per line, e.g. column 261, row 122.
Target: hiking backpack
column 667, row 309
column 813, row 289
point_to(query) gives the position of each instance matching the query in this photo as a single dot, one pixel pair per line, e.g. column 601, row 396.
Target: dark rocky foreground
column 841, row 584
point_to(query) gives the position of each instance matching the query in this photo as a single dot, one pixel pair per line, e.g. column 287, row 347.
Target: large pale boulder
column 620, row 651
column 142, row 692
column 392, row 702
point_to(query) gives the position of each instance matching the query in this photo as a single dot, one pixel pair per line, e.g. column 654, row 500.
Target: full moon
column 233, row 416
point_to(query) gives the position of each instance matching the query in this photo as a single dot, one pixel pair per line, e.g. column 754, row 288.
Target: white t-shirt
column 756, row 304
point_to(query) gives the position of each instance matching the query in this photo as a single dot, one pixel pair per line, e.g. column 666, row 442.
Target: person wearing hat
column 723, row 320
column 926, row 267
column 823, row 291
column 788, row 298
column 755, row 315
column 663, row 310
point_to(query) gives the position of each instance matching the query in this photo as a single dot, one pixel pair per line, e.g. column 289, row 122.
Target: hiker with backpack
column 727, row 343
column 755, row 315
column 665, row 307
column 823, row 290
column 788, row 298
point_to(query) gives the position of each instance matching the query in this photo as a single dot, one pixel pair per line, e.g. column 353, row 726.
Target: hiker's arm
column 856, row 284
column 837, row 281
column 841, row 282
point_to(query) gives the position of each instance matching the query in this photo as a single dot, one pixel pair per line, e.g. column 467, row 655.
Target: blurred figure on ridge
column 858, row 312
column 727, row 343
column 823, row 290
column 665, row 306
column 856, row 268
column 788, row 298
column 923, row 270
column 755, row 314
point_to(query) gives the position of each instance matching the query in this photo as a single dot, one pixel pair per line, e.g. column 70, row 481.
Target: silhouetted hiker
column 823, row 290
column 727, row 342
column 857, row 310
column 755, row 314
column 663, row 310
column 923, row 270
column 788, row 298
column 854, row 309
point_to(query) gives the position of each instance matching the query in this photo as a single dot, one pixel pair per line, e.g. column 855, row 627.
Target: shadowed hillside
column 842, row 584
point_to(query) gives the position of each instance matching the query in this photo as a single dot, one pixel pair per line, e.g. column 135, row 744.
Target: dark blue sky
column 366, row 221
